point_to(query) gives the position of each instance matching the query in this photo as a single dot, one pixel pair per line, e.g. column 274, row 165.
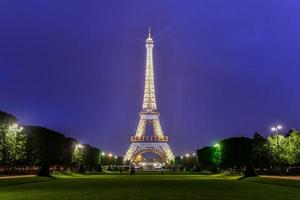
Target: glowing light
column 275, row 129
column 79, row 146
column 181, row 157
column 279, row 127
column 15, row 127
column 115, row 157
column 217, row 145
column 110, row 155
column 194, row 154
column 103, row 154
column 187, row 155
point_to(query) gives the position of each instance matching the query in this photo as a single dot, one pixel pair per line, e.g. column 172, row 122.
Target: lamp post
column 195, row 159
column 115, row 160
column 181, row 160
column 276, row 130
column 216, row 158
column 78, row 157
column 102, row 158
column 187, row 160
column 110, row 160
column 101, row 161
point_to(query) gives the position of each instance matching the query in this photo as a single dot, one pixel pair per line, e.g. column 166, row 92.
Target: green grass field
column 143, row 186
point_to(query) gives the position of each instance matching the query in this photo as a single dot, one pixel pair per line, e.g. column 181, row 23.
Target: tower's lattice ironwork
column 158, row 142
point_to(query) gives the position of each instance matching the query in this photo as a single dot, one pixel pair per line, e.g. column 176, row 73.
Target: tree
column 12, row 144
column 260, row 156
column 205, row 159
column 6, row 118
column 95, row 161
column 277, row 146
column 46, row 147
column 236, row 153
column 78, row 154
column 293, row 147
column 69, row 151
column 91, row 157
column 217, row 154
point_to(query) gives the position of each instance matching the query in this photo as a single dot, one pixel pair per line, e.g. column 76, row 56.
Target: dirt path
column 283, row 177
column 21, row 176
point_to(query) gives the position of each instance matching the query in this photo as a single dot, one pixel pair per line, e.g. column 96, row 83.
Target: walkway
column 283, row 177
column 20, row 176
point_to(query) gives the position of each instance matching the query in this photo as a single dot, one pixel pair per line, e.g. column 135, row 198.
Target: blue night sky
column 222, row 68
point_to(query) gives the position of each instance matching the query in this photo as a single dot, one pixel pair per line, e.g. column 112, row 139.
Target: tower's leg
column 141, row 128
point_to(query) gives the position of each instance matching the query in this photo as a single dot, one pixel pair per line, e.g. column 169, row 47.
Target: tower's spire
column 149, row 34
column 149, row 39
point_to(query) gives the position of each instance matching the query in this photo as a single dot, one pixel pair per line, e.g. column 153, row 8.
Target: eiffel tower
column 157, row 143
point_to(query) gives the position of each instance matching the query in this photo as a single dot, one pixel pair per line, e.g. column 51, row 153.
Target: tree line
column 37, row 149
column 276, row 154
column 31, row 148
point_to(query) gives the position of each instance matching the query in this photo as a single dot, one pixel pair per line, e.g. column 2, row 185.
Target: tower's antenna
column 149, row 34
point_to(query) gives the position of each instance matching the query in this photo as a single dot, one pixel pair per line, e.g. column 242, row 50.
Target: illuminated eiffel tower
column 158, row 142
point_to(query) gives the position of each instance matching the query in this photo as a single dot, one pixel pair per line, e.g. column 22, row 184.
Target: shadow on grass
column 244, row 177
column 21, row 181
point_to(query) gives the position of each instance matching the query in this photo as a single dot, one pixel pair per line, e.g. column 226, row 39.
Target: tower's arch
column 150, row 150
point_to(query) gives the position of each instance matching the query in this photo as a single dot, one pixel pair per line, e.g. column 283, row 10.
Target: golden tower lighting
column 158, row 142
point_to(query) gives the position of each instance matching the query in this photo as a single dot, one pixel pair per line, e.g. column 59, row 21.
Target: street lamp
column 115, row 160
column 187, row 155
column 15, row 127
column 195, row 159
column 103, row 154
column 276, row 129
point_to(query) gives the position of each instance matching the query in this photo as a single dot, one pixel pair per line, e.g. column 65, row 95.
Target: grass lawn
column 145, row 186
